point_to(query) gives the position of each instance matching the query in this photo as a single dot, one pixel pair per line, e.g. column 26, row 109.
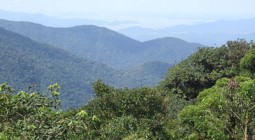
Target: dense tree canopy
column 203, row 68
column 247, row 63
column 218, row 104
column 225, row 111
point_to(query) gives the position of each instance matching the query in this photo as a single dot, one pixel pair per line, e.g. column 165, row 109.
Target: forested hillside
column 92, row 53
column 163, row 49
column 150, row 73
column 104, row 45
column 25, row 62
column 209, row 95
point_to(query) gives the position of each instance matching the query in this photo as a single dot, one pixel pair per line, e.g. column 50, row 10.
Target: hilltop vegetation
column 202, row 69
column 210, row 95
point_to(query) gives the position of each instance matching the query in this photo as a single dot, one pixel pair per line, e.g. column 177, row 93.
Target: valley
column 127, row 70
column 76, row 57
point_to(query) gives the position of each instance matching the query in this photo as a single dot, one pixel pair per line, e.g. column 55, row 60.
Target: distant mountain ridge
column 102, row 45
column 77, row 56
column 160, row 49
column 210, row 33
column 25, row 62
column 56, row 21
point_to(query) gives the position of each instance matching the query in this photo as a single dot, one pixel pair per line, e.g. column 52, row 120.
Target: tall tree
column 225, row 111
column 202, row 69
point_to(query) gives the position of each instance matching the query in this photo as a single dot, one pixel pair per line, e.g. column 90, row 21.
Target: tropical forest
column 126, row 76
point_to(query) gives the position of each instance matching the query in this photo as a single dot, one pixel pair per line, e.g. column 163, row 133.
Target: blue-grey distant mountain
column 57, row 22
column 211, row 33
column 104, row 45
column 141, row 34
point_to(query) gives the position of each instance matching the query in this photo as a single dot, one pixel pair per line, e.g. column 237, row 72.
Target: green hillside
column 77, row 56
column 168, row 50
column 209, row 95
column 25, row 62
column 150, row 73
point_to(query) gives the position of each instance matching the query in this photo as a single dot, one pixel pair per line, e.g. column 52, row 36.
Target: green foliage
column 116, row 114
column 133, row 137
column 202, row 69
column 216, row 109
column 42, row 65
column 140, row 112
column 237, row 49
column 247, row 63
column 37, row 116
column 225, row 111
column 122, row 127
column 142, row 102
column 100, row 88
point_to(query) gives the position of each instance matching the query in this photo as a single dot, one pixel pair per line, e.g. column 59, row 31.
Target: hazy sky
column 144, row 11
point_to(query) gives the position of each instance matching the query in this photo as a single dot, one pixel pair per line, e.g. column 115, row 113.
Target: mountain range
column 103, row 45
column 25, row 62
column 210, row 33
column 77, row 56
column 213, row 33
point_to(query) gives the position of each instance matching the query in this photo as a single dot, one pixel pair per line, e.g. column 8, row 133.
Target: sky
column 148, row 13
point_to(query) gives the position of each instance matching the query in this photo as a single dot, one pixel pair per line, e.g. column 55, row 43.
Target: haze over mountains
column 104, row 45
column 212, row 33
column 77, row 56
column 58, row 22
column 127, row 70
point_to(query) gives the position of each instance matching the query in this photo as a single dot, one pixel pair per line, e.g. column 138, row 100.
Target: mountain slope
column 163, row 49
column 102, row 45
column 25, row 62
column 96, row 43
column 150, row 73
